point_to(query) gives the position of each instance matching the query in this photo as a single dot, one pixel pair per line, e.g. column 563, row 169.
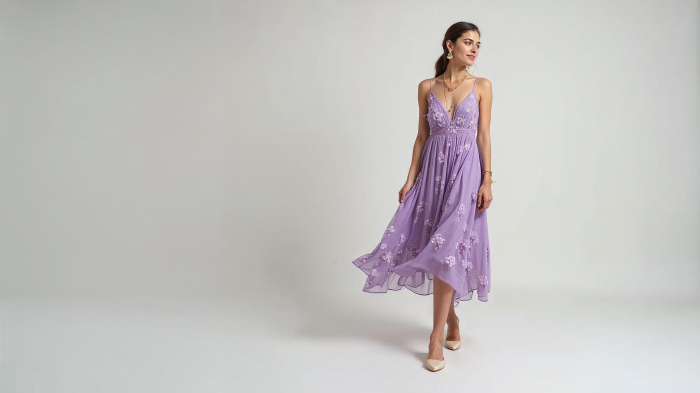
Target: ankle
column 436, row 337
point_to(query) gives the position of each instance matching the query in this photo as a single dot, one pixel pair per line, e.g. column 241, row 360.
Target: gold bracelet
column 486, row 170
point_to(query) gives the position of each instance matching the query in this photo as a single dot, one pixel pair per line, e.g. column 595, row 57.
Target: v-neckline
column 457, row 107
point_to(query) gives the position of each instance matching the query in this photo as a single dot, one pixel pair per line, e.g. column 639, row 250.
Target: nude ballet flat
column 435, row 365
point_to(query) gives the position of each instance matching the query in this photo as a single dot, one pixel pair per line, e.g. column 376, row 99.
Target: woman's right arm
column 421, row 138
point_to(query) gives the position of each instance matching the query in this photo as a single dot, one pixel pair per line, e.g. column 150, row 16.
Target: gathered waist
column 460, row 132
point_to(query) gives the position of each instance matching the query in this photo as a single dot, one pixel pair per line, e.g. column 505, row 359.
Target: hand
column 484, row 199
column 405, row 189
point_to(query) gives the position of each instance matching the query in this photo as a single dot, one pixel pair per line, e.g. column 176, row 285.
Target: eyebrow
column 478, row 42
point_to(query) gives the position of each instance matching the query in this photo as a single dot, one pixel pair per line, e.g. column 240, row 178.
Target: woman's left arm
column 483, row 140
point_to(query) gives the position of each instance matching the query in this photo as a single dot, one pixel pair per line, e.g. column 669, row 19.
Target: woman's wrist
column 486, row 173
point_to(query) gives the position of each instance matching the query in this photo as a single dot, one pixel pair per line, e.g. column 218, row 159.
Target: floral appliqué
column 473, row 121
column 447, row 206
column 483, row 280
column 441, row 158
column 462, row 148
column 474, row 237
column 437, row 240
column 468, row 265
column 420, row 208
column 389, row 230
column 472, row 106
column 474, row 195
column 386, row 257
column 429, row 223
column 440, row 184
column 463, row 246
column 437, row 115
column 450, row 260
column 413, row 250
column 460, row 212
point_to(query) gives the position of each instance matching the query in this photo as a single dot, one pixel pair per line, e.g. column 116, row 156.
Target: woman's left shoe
column 453, row 344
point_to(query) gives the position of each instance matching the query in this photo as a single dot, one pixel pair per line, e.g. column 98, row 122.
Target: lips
column 470, row 56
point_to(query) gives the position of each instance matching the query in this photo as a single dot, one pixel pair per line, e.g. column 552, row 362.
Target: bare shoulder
column 483, row 83
column 424, row 89
column 483, row 89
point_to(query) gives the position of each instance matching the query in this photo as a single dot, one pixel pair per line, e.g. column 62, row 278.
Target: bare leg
column 442, row 298
column 452, row 324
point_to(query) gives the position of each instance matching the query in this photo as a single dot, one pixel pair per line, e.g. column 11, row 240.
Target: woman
column 437, row 241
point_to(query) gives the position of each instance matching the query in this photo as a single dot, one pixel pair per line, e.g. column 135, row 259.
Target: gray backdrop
column 220, row 148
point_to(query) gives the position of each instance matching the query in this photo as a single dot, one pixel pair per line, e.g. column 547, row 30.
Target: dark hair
column 452, row 34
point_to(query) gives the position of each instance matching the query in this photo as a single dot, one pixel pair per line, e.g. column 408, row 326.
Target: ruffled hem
column 420, row 283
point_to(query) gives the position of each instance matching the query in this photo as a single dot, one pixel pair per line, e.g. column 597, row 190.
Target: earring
column 449, row 55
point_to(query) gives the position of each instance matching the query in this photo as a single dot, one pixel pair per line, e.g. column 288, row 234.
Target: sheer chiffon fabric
column 436, row 231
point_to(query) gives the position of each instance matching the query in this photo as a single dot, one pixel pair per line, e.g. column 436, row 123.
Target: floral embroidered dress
column 436, row 231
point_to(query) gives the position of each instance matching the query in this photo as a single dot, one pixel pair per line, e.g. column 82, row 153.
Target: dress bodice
column 465, row 119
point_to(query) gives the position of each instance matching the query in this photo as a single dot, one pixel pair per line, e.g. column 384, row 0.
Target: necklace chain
column 451, row 108
column 450, row 89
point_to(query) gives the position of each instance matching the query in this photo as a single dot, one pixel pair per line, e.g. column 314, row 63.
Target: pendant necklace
column 445, row 92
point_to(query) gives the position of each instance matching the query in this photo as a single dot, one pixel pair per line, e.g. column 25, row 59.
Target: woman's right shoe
column 435, row 365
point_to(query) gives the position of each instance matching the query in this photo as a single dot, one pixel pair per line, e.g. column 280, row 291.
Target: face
column 466, row 49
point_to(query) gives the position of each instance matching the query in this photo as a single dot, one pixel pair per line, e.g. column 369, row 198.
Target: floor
column 376, row 342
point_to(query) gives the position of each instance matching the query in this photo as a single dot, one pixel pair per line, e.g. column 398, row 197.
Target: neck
column 455, row 73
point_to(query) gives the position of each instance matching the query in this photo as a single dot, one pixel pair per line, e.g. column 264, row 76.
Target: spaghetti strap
column 431, row 91
column 474, row 88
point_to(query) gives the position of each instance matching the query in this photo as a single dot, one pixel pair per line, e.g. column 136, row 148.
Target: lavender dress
column 436, row 231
